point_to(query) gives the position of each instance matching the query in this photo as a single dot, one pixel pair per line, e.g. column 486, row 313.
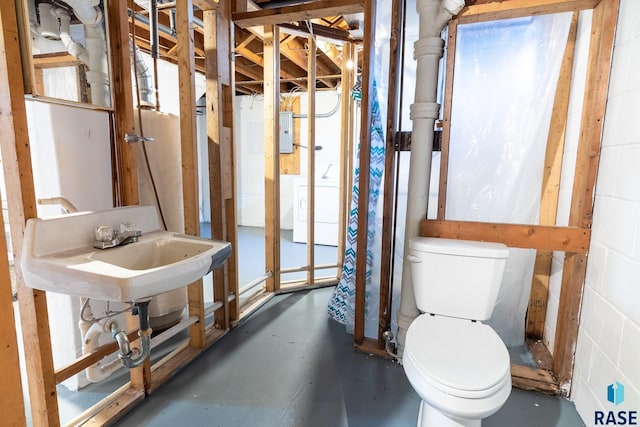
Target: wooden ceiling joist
column 483, row 10
column 302, row 12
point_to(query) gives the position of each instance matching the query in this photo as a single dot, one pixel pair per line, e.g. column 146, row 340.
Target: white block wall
column 609, row 335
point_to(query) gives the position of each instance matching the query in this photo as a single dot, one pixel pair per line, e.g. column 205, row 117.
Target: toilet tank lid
column 459, row 247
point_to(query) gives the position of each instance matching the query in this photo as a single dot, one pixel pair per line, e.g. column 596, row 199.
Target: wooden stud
column 219, row 124
column 311, row 159
column 11, row 403
column 301, row 12
column 492, row 11
column 566, row 239
column 272, row 155
column 537, row 310
column 188, row 140
column 127, row 169
column 386, row 256
column 365, row 165
column 452, row 39
column 603, row 30
column 21, row 201
column 206, row 5
column 121, row 88
column 346, row 136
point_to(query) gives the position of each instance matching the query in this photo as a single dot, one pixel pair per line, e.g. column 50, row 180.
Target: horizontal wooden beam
column 505, row 9
column 540, row 380
column 301, row 12
column 548, row 238
column 318, row 30
column 90, row 359
column 205, row 4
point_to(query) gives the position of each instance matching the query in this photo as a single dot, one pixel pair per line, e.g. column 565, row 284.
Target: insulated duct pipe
column 428, row 50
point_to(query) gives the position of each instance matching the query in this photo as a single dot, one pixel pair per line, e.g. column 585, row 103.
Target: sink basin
column 58, row 256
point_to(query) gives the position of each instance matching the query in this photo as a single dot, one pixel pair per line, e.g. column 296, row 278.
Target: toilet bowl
column 459, row 368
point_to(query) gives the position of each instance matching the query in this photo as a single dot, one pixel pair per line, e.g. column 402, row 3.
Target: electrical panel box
column 286, row 132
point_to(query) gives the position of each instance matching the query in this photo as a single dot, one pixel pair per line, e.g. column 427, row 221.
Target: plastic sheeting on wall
column 504, row 86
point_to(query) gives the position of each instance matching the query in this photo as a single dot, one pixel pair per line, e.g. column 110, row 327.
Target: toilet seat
column 457, row 356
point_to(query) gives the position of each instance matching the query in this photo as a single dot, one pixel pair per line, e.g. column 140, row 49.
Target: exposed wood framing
column 537, row 310
column 540, row 237
column 11, row 403
column 386, row 255
column 272, row 155
column 219, row 131
column 21, row 201
column 452, row 38
column 116, row 409
column 121, row 87
column 188, row 140
column 311, row 160
column 302, row 12
column 505, row 9
column 206, row 4
column 602, row 36
column 346, row 138
column 365, row 162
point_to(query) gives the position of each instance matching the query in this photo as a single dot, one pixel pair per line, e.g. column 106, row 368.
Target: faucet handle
column 104, row 233
column 126, row 226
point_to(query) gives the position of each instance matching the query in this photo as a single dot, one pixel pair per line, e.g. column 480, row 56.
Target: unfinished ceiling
column 330, row 32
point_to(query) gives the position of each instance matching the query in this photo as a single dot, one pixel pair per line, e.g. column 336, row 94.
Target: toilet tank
column 456, row 278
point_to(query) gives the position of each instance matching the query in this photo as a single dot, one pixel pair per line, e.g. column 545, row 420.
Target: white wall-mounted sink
column 58, row 256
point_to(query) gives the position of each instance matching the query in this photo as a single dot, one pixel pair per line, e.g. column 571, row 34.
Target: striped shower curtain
column 342, row 302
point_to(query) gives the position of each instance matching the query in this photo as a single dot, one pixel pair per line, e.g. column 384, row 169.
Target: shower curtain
column 341, row 303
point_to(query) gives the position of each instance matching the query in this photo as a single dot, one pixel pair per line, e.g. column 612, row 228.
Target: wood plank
column 116, row 409
column 188, row 144
column 89, row 359
column 537, row 309
column 11, row 402
column 505, row 9
column 346, row 136
column 311, row 159
column 603, row 30
column 540, row 380
column 364, row 165
column 206, row 4
column 55, row 60
column 301, row 12
column 550, row 238
column 272, row 155
column 387, row 253
column 21, row 201
column 452, row 38
column 122, row 89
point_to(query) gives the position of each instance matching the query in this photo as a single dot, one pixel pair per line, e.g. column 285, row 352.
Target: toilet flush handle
column 413, row 258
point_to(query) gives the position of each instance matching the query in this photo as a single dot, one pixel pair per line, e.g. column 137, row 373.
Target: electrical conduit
column 428, row 50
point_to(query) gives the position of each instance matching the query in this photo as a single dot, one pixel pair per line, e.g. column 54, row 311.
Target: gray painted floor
column 289, row 365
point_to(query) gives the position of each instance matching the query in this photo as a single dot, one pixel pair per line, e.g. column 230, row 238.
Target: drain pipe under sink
column 428, row 50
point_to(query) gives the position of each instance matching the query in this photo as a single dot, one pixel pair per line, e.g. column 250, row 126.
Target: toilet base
column 428, row 416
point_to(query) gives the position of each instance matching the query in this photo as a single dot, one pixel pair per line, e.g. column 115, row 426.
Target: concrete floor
column 290, row 365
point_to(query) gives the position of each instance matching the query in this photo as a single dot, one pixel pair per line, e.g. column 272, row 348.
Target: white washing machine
column 327, row 211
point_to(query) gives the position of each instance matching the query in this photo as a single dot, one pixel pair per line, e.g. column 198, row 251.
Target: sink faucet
column 106, row 237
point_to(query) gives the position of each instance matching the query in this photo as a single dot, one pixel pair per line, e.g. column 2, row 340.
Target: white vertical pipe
column 428, row 49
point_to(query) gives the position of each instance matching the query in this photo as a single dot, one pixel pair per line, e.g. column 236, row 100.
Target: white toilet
column 457, row 365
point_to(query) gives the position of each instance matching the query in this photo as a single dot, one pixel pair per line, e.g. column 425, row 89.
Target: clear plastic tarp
column 506, row 74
